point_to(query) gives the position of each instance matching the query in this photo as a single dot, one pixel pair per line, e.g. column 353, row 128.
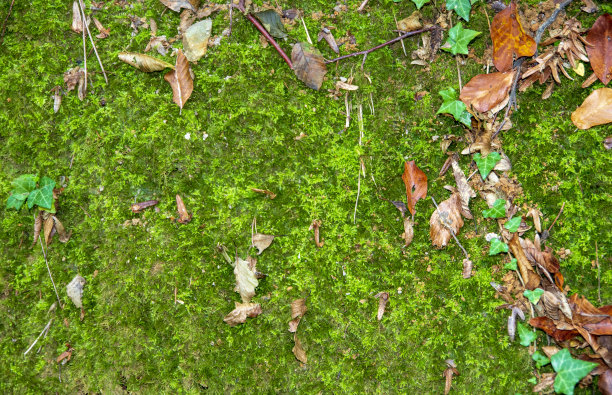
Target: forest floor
column 127, row 142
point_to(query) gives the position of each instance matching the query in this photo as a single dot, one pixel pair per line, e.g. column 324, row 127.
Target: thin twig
column 6, row 20
column 367, row 51
column 45, row 335
column 93, row 44
column 512, row 98
column 41, row 333
column 84, row 52
column 360, row 119
column 459, row 73
column 557, row 217
column 307, row 34
column 598, row 273
column 270, row 39
column 447, row 226
column 548, row 22
column 362, row 6
column 49, row 270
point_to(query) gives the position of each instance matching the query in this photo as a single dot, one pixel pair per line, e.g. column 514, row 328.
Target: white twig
column 362, row 6
column 49, row 270
column 41, row 333
column 459, row 73
column 307, row 34
column 46, row 333
column 93, row 44
column 84, row 50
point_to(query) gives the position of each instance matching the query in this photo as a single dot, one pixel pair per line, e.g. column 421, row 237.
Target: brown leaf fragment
column 605, row 382
column 241, row 312
column 246, row 280
column 298, row 350
column 138, row 207
column 261, row 242
column 465, row 190
column 308, row 65
column 72, row 77
column 596, row 108
column 535, row 255
column 38, row 223
column 82, row 86
column 536, row 214
column 346, row 86
column 180, row 80
column 467, row 268
column 546, row 382
column 270, row 194
column 77, row 18
column 326, row 34
column 600, row 50
column 176, row 5
column 486, row 91
column 448, row 374
column 548, row 326
column 415, row 181
column 298, row 309
column 530, row 277
column 103, row 31
column 57, row 98
column 446, row 218
column 383, row 299
column 208, row 9
column 65, row 356
column 408, row 234
column 410, row 23
column 315, row 225
column 509, row 38
column 144, row 62
column 607, row 143
column 589, row 6
column 61, row 231
column 48, row 228
column 184, row 215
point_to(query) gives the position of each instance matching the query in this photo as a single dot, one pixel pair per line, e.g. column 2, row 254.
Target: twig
column 447, row 226
column 6, row 20
column 598, row 273
column 512, row 98
column 367, row 51
column 360, row 163
column 556, row 218
column 307, row 34
column 41, row 333
column 93, row 44
column 49, row 270
column 459, row 73
column 362, row 6
column 45, row 335
column 548, row 22
column 84, row 53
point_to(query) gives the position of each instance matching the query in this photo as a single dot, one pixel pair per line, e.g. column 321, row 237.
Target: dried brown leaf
column 605, row 383
column 408, row 234
column 383, row 299
column 411, row 23
column 446, row 218
column 315, row 225
column 138, row 207
column 530, row 277
column 546, row 382
column 465, row 190
column 184, row 215
column 415, row 181
column 261, row 242
column 77, row 18
column 48, row 228
column 509, row 38
column 308, row 64
column 596, row 108
column 176, row 5
column 241, row 312
column 59, row 228
column 298, row 350
column 180, row 80
column 600, row 50
column 144, row 62
column 326, row 34
column 103, row 31
column 467, row 268
column 270, row 194
column 246, row 281
column 545, row 258
column 298, row 309
column 38, row 223
column 448, row 375
column 71, row 78
column 486, row 91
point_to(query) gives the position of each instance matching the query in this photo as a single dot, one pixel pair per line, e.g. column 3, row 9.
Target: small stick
column 93, row 44
column 41, row 333
column 449, row 228
column 367, row 51
column 459, row 73
column 84, row 53
column 270, row 39
column 362, row 6
column 305, row 28
column 598, row 273
column 49, row 270
column 360, row 163
column 46, row 333
column 6, row 20
column 558, row 215
column 512, row 98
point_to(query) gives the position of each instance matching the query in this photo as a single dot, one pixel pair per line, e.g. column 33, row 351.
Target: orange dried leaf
column 180, row 80
column 595, row 110
column 241, row 312
column 184, row 215
column 138, row 207
column 383, row 299
column 486, row 91
column 509, row 38
column 600, row 50
column 416, row 185
column 298, row 350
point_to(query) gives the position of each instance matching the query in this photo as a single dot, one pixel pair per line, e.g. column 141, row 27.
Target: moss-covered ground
column 126, row 142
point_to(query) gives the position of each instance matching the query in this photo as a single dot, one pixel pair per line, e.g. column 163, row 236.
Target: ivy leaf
column 511, row 265
column 24, row 183
column 513, row 224
column 458, row 39
column 46, row 181
column 453, row 106
column 497, row 246
column 42, row 197
column 525, row 335
column 420, row 3
column 534, row 296
column 16, row 200
column 486, row 164
column 540, row 359
column 272, row 22
column 497, row 211
column 461, row 7
column 569, row 371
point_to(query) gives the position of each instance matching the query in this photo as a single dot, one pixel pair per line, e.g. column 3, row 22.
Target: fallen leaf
column 184, row 215
column 467, row 268
column 71, row 78
column 180, row 80
column 271, row 20
column 82, row 86
column 38, row 223
column 600, row 50
column 383, row 299
column 66, row 355
column 315, row 225
column 449, row 372
column 138, row 207
column 326, row 34
column 241, row 312
column 298, row 350
column 176, row 5
column 486, row 91
column 160, row 44
column 48, row 229
column 408, row 234
column 545, row 258
column 546, row 381
column 595, row 110
column 298, row 309
column 103, row 31
column 345, row 86
column 446, row 218
column 411, row 23
column 77, row 18
column 59, row 228
column 261, row 242
column 57, row 98
column 401, row 206
column 308, row 64
column 465, row 190
column 605, row 382
column 195, row 40
column 530, row 277
column 509, row 38
column 74, row 289
column 143, row 62
column 548, row 325
column 270, row 194
column 415, row 181
column 246, row 281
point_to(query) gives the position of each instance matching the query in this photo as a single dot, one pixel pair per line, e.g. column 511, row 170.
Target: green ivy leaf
column 540, row 359
column 532, row 380
column 569, row 371
column 486, row 164
column 533, row 296
column 16, row 200
column 24, row 183
column 497, row 246
column 453, row 106
column 458, row 39
column 42, row 197
column 497, row 211
column 525, row 334
column 46, row 181
column 511, row 265
column 420, row 3
column 513, row 224
column 461, row 7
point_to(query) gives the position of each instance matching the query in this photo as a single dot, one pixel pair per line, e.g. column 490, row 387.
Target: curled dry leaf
column 195, row 40
column 408, row 234
column 411, row 23
column 326, row 34
column 486, row 91
column 415, row 181
column 536, row 215
column 180, row 80
column 184, row 215
column 600, row 50
column 530, row 277
column 465, row 190
column 315, row 225
column 144, row 62
column 241, row 312
column 605, row 382
column 467, row 268
column 270, row 194
column 38, row 223
column 596, row 108
column 61, row 231
column 246, row 280
column 77, row 18
column 546, row 382
column 48, row 229
column 446, row 218
column 545, row 258
column 383, row 299
column 509, row 38
column 308, row 64
column 345, row 86
column 103, row 31
column 57, row 98
column 298, row 309
column 261, row 242
column 66, row 355
column 138, row 207
column 298, row 350
column 74, row 289
column 176, row 5
column 448, row 375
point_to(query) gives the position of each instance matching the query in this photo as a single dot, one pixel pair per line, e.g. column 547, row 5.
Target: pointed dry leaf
column 448, row 375
column 467, row 268
column 74, row 289
column 82, row 86
column 345, row 86
column 38, row 223
column 509, row 38
column 241, row 312
column 195, row 40
column 48, row 228
column 408, row 234
column 465, row 190
column 144, row 62
column 486, row 91
column 103, row 31
column 530, row 277
column 261, row 242
column 176, row 5
column 536, row 214
column 57, row 98
column 600, row 50
column 415, row 181
column 184, row 215
column 298, row 309
column 138, row 207
column 383, row 299
column 445, row 218
column 77, row 19
column 326, row 34
column 298, row 350
column 595, row 110
column 246, row 282
column 308, row 64
column 180, row 80
column 270, row 194
column 315, row 225
column 63, row 235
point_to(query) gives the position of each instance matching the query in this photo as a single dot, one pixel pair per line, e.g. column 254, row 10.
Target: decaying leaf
column 451, row 369
column 446, row 218
column 272, row 22
column 298, row 309
column 415, row 181
column 180, row 80
column 38, row 223
column 465, row 190
column 195, row 40
column 298, row 350
column 144, row 62
column 66, row 355
column 545, row 258
column 596, row 108
column 308, row 64
column 600, row 50
column 530, row 277
column 103, row 31
column 509, row 38
column 74, row 289
column 184, row 215
column 176, row 5
column 57, row 98
column 241, row 312
column 326, row 34
column 270, row 194
column 315, row 225
column 467, row 268
column 72, row 77
column 77, row 18
column 486, row 91
column 408, row 234
column 536, row 214
column 411, row 23
column 160, row 44
column 261, row 242
column 61, row 231
column 48, row 229
column 605, row 382
column 246, row 281
column 345, row 86
column 383, row 299
column 138, row 207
